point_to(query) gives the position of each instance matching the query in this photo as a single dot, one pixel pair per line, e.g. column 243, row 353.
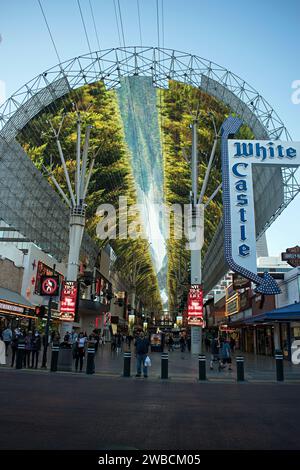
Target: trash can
column 65, row 358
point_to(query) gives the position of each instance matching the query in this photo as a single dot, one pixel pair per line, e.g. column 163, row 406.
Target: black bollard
column 127, row 359
column 90, row 364
column 164, row 365
column 240, row 368
column 279, row 366
column 20, row 355
column 54, row 357
column 202, row 367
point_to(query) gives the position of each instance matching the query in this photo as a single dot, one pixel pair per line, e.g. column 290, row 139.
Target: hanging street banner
column 68, row 300
column 195, row 305
column 238, row 157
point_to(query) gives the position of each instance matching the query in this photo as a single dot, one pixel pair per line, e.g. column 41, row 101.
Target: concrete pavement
column 69, row 411
column 184, row 367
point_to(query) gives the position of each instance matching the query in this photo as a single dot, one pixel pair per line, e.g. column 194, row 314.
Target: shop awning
column 288, row 313
column 12, row 297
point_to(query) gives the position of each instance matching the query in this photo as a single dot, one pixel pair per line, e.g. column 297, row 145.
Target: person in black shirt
column 141, row 347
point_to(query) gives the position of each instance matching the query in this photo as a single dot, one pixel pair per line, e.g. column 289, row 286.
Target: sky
column 257, row 40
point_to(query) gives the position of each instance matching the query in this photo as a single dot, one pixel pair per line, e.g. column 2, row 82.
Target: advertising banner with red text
column 195, row 305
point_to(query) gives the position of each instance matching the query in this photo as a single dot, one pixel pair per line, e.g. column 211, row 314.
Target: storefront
column 15, row 311
column 92, row 315
column 276, row 329
column 265, row 340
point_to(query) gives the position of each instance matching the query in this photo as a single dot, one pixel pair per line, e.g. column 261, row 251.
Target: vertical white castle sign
column 238, row 158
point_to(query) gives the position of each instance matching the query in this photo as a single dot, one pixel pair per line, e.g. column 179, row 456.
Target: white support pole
column 84, row 162
column 196, row 278
column 88, row 178
column 60, row 189
column 77, row 223
column 62, row 158
column 77, row 179
column 213, row 195
column 77, row 213
column 207, row 173
column 194, row 163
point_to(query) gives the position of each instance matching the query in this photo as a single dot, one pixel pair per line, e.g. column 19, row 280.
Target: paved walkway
column 75, row 411
column 184, row 367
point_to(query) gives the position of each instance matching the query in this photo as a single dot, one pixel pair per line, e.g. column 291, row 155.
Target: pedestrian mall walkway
column 182, row 366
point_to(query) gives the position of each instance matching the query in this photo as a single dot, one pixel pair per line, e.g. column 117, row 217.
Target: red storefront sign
column 195, row 306
column 68, row 301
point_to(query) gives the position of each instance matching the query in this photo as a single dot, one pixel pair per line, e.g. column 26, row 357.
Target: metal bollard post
column 127, row 360
column 279, row 366
column 202, row 367
column 20, row 355
column 90, row 364
column 54, row 357
column 240, row 368
column 164, row 365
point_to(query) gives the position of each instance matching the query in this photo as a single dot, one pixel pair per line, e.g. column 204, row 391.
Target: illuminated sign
column 68, row 300
column 292, row 256
column 195, row 305
column 240, row 282
column 42, row 271
column 232, row 305
column 50, row 285
column 238, row 158
column 11, row 308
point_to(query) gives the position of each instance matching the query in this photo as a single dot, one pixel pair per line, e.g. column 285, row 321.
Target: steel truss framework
column 162, row 65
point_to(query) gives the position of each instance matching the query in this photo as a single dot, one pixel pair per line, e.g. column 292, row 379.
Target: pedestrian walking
column 129, row 339
column 189, row 341
column 182, row 343
column 215, row 357
column 80, row 351
column 2, row 353
column 141, row 348
column 232, row 344
column 226, row 354
column 113, row 344
column 97, row 340
column 14, row 345
column 27, row 354
column 171, row 343
column 118, row 343
column 7, row 337
column 207, row 343
column 36, row 344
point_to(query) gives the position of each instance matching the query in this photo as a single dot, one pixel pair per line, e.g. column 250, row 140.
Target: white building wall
column 9, row 251
column 290, row 289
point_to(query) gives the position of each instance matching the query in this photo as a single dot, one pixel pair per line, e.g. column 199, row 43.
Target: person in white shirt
column 80, row 351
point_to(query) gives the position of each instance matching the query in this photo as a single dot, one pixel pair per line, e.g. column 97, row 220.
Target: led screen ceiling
column 143, row 131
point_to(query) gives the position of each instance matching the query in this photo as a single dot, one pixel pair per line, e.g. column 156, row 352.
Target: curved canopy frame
column 162, row 65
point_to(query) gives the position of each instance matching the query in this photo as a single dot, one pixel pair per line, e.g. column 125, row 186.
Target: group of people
column 118, row 340
column 78, row 342
column 184, row 342
column 32, row 341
